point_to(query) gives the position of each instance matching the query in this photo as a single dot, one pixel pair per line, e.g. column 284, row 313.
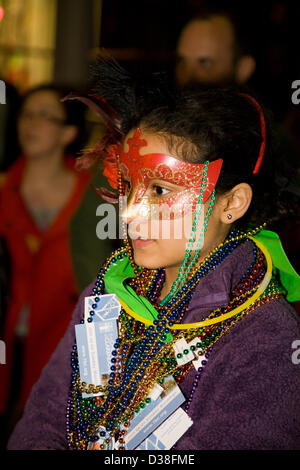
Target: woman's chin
column 148, row 262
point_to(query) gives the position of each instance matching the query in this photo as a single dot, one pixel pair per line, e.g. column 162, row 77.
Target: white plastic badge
column 183, row 353
column 168, row 433
column 104, row 307
column 95, row 340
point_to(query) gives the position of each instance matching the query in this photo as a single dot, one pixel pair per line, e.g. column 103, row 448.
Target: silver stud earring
column 229, row 216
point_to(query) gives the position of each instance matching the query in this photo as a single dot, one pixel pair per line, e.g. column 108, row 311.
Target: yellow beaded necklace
column 259, row 291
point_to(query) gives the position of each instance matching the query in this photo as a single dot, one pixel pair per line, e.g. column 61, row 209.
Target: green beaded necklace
column 187, row 263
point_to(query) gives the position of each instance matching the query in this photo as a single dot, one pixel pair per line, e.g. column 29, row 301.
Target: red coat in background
column 42, row 278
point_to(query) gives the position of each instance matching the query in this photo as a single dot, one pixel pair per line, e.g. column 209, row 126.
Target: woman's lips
column 140, row 243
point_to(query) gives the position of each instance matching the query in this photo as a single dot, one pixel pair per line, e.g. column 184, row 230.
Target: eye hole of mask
column 158, row 190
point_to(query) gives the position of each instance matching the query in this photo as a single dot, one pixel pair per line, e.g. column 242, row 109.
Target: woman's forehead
column 44, row 99
column 146, row 142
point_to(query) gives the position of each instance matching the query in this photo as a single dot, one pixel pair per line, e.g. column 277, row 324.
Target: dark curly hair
column 198, row 124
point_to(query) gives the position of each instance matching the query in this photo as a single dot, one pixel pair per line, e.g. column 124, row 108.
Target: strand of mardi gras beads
column 203, row 271
column 184, row 267
column 137, row 269
column 130, row 411
column 260, row 289
column 188, row 263
column 250, row 292
column 170, row 318
column 146, row 386
column 97, row 291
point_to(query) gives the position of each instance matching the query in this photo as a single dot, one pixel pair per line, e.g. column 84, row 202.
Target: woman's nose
column 131, row 210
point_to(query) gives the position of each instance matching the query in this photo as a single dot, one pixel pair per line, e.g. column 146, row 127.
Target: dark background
column 142, row 35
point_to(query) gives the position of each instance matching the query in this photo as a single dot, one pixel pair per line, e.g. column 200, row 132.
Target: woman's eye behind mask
column 158, row 191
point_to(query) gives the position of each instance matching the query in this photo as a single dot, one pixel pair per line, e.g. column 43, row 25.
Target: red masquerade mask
column 139, row 171
column 111, row 165
column 179, row 183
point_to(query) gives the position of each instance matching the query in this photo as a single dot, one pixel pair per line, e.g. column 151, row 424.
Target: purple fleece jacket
column 248, row 396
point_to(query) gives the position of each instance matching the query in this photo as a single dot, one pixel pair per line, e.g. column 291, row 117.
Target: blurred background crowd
column 48, row 246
